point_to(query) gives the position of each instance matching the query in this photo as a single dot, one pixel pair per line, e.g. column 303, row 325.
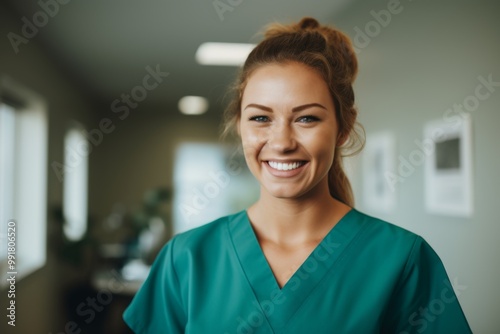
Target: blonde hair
column 330, row 53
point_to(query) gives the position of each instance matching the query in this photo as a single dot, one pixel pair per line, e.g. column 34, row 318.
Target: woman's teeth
column 284, row 165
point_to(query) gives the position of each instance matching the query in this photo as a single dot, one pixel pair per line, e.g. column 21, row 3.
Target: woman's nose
column 282, row 138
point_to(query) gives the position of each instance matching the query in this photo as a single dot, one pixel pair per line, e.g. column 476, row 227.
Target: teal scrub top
column 366, row 276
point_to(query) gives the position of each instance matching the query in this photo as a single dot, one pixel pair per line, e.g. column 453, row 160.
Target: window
column 7, row 161
column 75, row 184
column 210, row 181
column 23, row 175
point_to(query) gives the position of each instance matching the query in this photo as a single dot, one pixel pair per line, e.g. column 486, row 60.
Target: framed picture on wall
column 448, row 167
column 379, row 194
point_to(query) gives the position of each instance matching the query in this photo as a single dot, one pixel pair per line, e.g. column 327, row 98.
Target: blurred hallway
column 99, row 168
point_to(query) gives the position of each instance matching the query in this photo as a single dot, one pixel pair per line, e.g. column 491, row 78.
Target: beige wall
column 427, row 59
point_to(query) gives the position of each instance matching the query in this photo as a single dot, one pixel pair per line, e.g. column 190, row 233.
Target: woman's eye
column 308, row 119
column 259, row 119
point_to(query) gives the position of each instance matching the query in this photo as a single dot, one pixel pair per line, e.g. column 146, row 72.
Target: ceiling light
column 193, row 105
column 231, row 54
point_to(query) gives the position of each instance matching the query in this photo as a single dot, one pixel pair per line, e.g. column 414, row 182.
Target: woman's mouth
column 285, row 165
column 285, row 169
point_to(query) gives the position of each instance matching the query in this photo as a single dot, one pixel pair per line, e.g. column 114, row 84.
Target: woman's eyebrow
column 307, row 106
column 296, row 109
column 258, row 106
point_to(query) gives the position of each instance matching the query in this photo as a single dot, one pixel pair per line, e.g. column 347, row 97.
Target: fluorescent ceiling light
column 193, row 105
column 232, row 54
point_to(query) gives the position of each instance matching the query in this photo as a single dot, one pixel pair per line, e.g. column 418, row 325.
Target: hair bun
column 308, row 23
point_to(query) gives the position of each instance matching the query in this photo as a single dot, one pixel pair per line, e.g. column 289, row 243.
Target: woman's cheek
column 251, row 141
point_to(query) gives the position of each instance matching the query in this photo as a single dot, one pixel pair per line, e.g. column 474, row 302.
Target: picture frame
column 448, row 167
column 379, row 194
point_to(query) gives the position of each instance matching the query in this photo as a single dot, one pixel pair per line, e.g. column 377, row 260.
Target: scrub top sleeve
column 157, row 306
column 424, row 300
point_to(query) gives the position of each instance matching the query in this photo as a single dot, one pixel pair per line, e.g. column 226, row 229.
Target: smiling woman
column 300, row 259
column 289, row 143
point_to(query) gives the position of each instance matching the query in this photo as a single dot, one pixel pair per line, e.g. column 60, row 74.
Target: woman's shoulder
column 381, row 231
column 209, row 234
column 384, row 242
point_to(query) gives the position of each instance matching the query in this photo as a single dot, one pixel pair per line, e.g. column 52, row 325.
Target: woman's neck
column 295, row 221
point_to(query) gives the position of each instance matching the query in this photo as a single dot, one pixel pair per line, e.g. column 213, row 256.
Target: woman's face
column 288, row 129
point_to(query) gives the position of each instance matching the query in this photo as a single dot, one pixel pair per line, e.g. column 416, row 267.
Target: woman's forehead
column 285, row 83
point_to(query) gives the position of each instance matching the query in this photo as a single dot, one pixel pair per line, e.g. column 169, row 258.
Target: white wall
column 425, row 60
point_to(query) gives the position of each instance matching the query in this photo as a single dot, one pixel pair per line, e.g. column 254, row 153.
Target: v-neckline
column 258, row 272
column 263, row 255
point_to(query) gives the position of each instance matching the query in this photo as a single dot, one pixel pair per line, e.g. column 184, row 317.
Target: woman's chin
column 285, row 192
